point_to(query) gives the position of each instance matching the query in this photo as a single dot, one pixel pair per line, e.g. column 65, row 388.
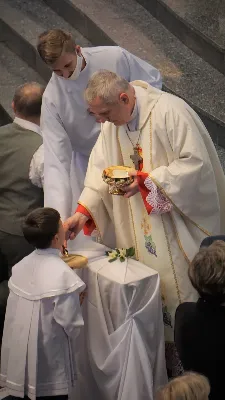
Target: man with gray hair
column 21, row 172
column 69, row 129
column 177, row 194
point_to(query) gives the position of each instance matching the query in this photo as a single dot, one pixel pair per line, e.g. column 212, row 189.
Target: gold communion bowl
column 117, row 177
column 75, row 261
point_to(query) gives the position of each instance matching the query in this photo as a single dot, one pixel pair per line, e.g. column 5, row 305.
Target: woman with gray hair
column 200, row 327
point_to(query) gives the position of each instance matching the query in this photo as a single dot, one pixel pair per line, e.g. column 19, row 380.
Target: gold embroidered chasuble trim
column 171, row 261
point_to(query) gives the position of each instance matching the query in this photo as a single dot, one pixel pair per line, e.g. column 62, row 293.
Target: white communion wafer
column 120, row 173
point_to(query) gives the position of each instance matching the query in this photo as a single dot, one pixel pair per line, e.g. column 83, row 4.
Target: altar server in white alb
column 69, row 129
column 178, row 194
column 43, row 316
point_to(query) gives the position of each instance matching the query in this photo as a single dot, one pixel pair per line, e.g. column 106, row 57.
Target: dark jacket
column 200, row 341
column 18, row 196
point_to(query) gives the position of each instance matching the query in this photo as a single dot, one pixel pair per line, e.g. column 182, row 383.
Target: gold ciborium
column 75, row 261
column 117, row 177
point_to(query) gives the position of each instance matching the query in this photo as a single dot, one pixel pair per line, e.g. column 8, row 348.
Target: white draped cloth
column 122, row 355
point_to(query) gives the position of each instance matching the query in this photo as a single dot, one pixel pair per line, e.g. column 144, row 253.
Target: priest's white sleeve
column 188, row 181
column 67, row 313
column 57, row 162
column 139, row 70
column 95, row 190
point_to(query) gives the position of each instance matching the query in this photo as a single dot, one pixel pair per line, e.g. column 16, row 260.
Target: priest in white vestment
column 69, row 129
column 178, row 193
column 43, row 316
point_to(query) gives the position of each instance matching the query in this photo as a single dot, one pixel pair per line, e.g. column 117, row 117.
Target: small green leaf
column 132, row 252
column 122, row 259
column 112, row 259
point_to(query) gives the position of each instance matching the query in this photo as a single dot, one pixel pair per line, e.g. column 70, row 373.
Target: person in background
column 69, row 129
column 189, row 386
column 21, row 172
column 210, row 239
column 43, row 315
column 200, row 327
column 21, row 180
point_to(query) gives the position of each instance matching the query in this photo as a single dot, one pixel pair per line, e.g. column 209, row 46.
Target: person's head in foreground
column 207, row 272
column 27, row 102
column 110, row 97
column 60, row 52
column 190, row 386
column 43, row 228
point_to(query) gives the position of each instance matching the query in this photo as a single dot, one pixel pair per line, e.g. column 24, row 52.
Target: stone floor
column 208, row 16
column 221, row 154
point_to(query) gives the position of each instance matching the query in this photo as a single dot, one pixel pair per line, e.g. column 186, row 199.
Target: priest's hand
column 74, row 225
column 133, row 188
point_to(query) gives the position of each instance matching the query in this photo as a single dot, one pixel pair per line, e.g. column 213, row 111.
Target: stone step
column 199, row 24
column 13, row 72
column 184, row 73
column 21, row 21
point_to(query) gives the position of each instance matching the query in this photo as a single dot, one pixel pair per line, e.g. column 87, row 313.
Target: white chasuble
column 181, row 160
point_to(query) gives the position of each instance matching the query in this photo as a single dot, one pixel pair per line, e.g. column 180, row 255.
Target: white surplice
column 70, row 132
column 43, row 320
column 181, row 160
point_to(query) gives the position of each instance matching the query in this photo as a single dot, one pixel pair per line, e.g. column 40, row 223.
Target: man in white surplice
column 69, row 129
column 43, row 316
column 177, row 197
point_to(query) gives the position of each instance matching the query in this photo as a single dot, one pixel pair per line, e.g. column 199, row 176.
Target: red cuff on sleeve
column 89, row 227
column 141, row 176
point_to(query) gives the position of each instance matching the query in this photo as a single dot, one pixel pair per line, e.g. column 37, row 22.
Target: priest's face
column 118, row 113
column 66, row 63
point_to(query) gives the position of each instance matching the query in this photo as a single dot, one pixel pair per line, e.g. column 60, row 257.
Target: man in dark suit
column 21, row 178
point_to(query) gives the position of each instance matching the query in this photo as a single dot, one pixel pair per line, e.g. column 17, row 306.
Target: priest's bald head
column 27, row 102
column 60, row 52
column 110, row 97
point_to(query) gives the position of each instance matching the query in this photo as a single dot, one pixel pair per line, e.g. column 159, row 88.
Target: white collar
column 49, row 250
column 133, row 123
column 27, row 125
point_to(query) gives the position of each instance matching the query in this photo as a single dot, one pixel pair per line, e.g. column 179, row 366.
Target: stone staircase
column 164, row 32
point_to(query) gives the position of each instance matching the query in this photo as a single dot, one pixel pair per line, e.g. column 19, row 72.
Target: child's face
column 60, row 236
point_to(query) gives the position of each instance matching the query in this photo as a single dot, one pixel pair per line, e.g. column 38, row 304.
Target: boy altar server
column 43, row 315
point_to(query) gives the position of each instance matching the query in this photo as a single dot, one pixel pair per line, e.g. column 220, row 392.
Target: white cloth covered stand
column 121, row 351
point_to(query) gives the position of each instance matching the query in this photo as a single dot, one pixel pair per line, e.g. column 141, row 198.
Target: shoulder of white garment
column 43, row 274
column 36, row 173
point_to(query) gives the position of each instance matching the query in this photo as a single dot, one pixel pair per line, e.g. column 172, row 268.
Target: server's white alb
column 42, row 321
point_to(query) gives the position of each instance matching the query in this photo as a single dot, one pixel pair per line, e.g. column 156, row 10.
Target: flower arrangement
column 120, row 254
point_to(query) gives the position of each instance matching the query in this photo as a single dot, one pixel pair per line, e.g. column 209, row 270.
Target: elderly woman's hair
column 207, row 271
column 190, row 386
column 107, row 85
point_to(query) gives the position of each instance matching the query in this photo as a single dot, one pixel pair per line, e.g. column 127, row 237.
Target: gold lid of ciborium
column 117, row 177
